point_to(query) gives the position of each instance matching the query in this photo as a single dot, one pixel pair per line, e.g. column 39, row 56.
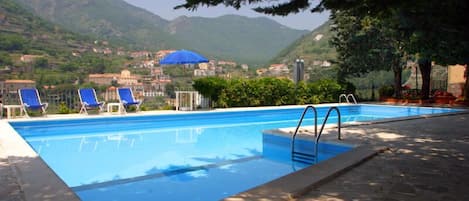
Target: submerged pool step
column 303, row 157
column 162, row 174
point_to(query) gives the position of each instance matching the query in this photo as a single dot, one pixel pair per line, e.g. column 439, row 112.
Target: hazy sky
column 164, row 8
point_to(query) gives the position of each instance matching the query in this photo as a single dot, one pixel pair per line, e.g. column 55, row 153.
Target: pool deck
column 424, row 158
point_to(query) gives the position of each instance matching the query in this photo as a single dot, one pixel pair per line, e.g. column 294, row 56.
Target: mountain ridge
column 137, row 28
column 312, row 48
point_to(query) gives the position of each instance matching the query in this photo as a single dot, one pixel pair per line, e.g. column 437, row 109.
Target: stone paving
column 9, row 188
column 428, row 159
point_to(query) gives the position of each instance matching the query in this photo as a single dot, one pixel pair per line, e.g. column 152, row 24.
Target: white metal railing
column 347, row 98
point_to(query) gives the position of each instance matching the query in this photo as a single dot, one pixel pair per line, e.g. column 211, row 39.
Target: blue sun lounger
column 89, row 100
column 30, row 100
column 126, row 98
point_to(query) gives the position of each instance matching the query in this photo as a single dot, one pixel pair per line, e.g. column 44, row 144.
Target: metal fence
column 63, row 101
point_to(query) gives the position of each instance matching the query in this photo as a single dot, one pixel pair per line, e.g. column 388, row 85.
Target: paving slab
column 428, row 159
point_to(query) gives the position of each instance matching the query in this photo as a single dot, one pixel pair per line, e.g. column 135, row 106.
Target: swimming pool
column 162, row 157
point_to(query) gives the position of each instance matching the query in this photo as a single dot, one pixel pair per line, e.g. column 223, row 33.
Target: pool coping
column 296, row 184
column 37, row 181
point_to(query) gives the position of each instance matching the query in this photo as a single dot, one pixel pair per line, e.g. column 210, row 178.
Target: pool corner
column 34, row 177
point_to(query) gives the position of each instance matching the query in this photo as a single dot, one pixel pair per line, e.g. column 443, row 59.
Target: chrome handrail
column 316, row 134
column 343, row 95
column 347, row 96
column 325, row 121
column 299, row 125
column 353, row 98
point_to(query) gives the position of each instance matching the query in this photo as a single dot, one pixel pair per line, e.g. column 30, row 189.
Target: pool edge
column 35, row 178
column 299, row 183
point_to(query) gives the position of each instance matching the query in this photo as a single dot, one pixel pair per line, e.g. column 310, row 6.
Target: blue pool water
column 191, row 156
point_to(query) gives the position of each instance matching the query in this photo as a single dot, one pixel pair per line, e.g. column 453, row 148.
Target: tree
column 434, row 30
column 365, row 44
column 11, row 42
column 5, row 58
column 41, row 63
column 437, row 29
column 439, row 34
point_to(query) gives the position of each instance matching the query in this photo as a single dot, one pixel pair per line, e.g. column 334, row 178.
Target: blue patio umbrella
column 183, row 57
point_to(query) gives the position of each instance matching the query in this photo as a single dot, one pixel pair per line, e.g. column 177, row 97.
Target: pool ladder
column 347, row 96
column 307, row 157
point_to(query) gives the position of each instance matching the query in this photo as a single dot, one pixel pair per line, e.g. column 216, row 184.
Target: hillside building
column 9, row 90
column 456, row 79
column 278, row 69
column 29, row 58
column 125, row 78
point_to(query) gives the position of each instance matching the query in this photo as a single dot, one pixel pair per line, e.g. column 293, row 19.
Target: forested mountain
column 23, row 32
column 33, row 48
column 247, row 40
column 311, row 47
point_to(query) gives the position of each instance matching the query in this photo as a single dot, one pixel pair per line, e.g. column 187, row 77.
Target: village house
column 103, row 79
column 148, row 63
column 142, row 86
column 245, row 67
column 227, row 63
column 125, row 78
column 27, row 58
column 12, row 86
column 278, row 69
column 140, row 54
column 162, row 53
column 456, row 80
column 261, row 71
column 204, row 66
column 107, row 51
column 9, row 90
column 121, row 53
column 203, row 72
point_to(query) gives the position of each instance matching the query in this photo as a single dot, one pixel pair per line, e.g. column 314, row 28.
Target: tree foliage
column 437, row 30
column 5, row 58
column 41, row 63
column 367, row 43
column 210, row 87
column 10, row 42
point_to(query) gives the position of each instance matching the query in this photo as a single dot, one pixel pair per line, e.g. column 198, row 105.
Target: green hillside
column 311, row 47
column 112, row 20
column 246, row 40
column 23, row 32
column 252, row 40
column 51, row 46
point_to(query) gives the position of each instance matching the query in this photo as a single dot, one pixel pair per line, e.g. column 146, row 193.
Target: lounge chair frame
column 125, row 103
column 85, row 106
column 25, row 106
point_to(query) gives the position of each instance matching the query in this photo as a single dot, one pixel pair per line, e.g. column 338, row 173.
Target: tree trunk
column 397, row 81
column 425, row 66
column 466, row 85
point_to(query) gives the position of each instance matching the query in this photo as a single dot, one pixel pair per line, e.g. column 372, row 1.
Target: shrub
column 326, row 90
column 63, row 109
column 386, row 91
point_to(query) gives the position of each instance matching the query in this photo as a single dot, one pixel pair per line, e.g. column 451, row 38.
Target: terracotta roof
column 106, row 75
column 19, row 82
